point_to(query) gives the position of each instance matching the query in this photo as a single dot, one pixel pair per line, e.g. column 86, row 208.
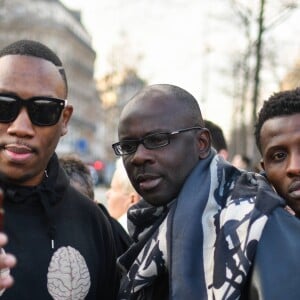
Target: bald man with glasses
column 197, row 226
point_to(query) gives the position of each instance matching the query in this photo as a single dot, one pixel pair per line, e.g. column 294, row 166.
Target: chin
column 156, row 201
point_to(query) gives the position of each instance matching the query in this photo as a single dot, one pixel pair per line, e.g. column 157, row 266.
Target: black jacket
column 121, row 237
column 275, row 272
column 81, row 264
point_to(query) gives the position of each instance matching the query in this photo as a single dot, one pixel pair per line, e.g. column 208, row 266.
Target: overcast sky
column 189, row 43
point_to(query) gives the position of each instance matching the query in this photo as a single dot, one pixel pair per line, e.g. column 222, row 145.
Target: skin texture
column 280, row 145
column 25, row 149
column 158, row 174
column 119, row 198
column 7, row 261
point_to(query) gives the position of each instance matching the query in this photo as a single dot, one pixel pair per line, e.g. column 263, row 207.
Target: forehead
column 280, row 130
column 27, row 73
column 150, row 113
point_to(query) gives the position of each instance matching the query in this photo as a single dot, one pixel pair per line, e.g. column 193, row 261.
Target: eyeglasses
column 151, row 141
column 42, row 111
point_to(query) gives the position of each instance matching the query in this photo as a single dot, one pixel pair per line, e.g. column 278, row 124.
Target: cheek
column 48, row 140
column 115, row 205
column 129, row 170
column 3, row 128
column 177, row 169
column 110, row 202
column 275, row 178
column 114, row 198
column 182, row 163
column 3, row 131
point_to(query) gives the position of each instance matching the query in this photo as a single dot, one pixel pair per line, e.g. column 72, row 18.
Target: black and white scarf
column 205, row 239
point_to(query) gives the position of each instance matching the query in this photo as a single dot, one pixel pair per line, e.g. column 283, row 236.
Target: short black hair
column 283, row 103
column 217, row 137
column 35, row 49
column 78, row 172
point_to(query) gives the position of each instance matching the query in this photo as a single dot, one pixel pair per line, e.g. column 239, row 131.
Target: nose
column 21, row 126
column 294, row 164
column 141, row 155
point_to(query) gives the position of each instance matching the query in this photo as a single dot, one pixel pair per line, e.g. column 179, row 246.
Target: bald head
column 172, row 100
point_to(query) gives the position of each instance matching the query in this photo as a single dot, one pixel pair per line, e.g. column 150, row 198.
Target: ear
column 223, row 153
column 66, row 116
column 133, row 199
column 262, row 164
column 203, row 143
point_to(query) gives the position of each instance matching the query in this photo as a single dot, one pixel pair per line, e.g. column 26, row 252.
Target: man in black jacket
column 81, row 179
column 63, row 242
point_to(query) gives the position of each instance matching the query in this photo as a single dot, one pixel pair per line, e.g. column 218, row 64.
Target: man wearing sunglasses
column 199, row 221
column 62, row 241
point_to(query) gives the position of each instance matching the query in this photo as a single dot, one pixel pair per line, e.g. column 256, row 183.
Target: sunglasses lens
column 45, row 112
column 42, row 111
column 9, row 109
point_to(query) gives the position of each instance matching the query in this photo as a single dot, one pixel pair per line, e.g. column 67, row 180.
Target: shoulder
column 77, row 203
column 121, row 237
column 256, row 189
column 282, row 222
column 281, row 235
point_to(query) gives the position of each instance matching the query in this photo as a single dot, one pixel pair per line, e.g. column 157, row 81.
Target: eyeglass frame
column 25, row 103
column 139, row 141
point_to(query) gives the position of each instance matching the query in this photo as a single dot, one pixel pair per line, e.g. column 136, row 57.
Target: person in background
column 241, row 161
column 63, row 243
column 277, row 134
column 79, row 174
column 121, row 195
column 196, row 229
column 81, row 179
column 218, row 140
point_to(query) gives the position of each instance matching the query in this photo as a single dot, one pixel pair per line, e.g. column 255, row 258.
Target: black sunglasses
column 42, row 111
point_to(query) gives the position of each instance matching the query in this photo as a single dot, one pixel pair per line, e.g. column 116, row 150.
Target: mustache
column 145, row 176
column 17, row 142
column 295, row 185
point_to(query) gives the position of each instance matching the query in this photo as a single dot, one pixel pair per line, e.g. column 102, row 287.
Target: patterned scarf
column 205, row 239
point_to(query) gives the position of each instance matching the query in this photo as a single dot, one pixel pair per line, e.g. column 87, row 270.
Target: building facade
column 116, row 89
column 51, row 23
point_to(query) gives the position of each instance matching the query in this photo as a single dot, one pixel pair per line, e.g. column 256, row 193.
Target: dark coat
column 275, row 272
column 81, row 264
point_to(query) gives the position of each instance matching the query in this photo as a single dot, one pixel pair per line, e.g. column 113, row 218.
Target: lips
column 19, row 149
column 147, row 182
column 294, row 189
column 17, row 152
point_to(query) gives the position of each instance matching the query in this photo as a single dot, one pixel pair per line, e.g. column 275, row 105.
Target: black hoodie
column 62, row 241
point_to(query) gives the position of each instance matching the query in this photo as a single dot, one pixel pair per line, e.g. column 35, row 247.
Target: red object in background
column 98, row 165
